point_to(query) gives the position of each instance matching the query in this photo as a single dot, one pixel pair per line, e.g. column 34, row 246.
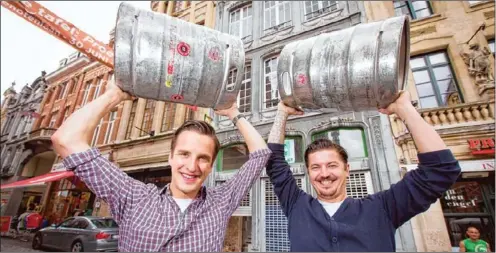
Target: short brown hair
column 323, row 144
column 200, row 127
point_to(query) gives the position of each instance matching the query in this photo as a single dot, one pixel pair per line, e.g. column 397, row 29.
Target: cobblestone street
column 15, row 245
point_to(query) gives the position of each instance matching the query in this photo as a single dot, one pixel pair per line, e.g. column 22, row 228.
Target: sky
column 26, row 50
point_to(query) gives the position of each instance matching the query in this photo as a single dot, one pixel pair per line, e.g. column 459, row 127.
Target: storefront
column 160, row 176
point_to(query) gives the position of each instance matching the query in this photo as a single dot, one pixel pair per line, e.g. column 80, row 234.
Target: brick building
column 452, row 81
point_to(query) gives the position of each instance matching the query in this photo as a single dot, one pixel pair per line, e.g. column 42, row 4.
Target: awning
column 39, row 180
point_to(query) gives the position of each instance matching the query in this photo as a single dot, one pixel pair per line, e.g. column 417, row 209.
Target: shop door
column 469, row 203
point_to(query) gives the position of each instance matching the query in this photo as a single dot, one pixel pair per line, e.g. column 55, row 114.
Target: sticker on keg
column 183, row 48
column 214, row 54
column 168, row 82
column 177, row 97
column 170, row 68
column 301, row 79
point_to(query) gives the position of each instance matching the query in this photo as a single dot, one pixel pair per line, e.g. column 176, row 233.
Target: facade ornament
column 479, row 66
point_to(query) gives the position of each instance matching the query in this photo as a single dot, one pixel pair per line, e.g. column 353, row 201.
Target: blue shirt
column 367, row 224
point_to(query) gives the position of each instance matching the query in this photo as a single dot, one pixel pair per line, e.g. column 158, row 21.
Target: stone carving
column 479, row 66
column 335, row 121
column 376, row 128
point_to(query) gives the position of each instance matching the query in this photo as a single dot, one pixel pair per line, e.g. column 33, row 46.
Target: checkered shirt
column 150, row 220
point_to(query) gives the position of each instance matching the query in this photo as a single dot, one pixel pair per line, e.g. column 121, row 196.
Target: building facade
column 20, row 111
column 265, row 28
column 451, row 79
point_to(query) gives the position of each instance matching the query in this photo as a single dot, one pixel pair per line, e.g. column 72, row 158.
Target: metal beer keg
column 164, row 58
column 355, row 69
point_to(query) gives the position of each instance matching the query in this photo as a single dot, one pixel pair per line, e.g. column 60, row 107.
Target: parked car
column 80, row 233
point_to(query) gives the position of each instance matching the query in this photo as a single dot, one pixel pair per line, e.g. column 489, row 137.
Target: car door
column 72, row 232
column 51, row 237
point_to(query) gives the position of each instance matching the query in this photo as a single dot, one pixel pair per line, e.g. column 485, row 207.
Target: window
column 433, row 78
column 29, row 123
column 53, row 119
column 233, row 157
column 276, row 14
column 351, row 139
column 316, row 8
column 67, row 112
column 110, row 127
column 94, row 141
column 20, row 127
column 490, row 44
column 99, row 82
column 146, row 125
column 62, row 91
column 271, row 94
column 72, row 85
column 168, row 117
column 104, row 223
column 67, row 223
column 244, row 96
column 414, row 9
column 240, row 22
column 293, row 151
column 86, row 92
column 130, row 123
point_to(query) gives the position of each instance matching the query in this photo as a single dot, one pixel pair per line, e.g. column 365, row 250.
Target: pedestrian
column 182, row 216
column 473, row 243
column 335, row 222
column 21, row 224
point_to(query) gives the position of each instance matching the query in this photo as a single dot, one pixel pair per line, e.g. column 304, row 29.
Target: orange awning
column 39, row 180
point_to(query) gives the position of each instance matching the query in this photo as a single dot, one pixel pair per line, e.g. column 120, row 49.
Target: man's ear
column 347, row 168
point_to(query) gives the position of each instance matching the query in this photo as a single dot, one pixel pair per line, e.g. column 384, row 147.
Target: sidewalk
column 15, row 245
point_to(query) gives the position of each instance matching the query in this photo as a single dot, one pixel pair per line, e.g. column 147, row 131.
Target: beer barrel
column 355, row 69
column 165, row 58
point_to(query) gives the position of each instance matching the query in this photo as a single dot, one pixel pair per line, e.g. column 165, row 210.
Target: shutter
column 359, row 184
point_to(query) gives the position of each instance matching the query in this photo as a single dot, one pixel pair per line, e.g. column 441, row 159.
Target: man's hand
column 114, row 90
column 288, row 110
column 230, row 112
column 401, row 103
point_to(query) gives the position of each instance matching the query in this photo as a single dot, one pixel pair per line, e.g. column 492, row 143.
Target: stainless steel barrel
column 355, row 69
column 164, row 58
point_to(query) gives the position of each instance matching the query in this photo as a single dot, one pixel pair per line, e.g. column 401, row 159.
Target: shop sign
column 466, row 166
column 456, row 199
column 5, row 223
column 481, row 146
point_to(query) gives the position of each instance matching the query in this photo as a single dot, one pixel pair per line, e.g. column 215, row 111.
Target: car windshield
column 104, row 223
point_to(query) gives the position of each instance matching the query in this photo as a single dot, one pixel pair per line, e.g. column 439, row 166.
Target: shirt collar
column 202, row 194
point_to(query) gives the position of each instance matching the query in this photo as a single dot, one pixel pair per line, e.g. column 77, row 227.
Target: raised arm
column 437, row 169
column 278, row 169
column 107, row 181
column 238, row 186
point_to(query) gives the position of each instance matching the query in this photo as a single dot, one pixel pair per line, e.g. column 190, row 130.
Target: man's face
column 191, row 163
column 473, row 233
column 328, row 173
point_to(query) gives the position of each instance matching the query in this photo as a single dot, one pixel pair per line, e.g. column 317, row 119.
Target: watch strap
column 235, row 119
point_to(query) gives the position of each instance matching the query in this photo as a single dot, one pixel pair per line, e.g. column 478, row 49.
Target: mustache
column 330, row 177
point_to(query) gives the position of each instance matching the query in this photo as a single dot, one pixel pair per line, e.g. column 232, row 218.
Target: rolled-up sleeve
column 107, row 181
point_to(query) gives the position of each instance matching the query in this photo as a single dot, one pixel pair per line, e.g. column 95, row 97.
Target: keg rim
column 404, row 53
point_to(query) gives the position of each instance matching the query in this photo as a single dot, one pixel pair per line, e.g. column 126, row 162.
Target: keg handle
column 228, row 65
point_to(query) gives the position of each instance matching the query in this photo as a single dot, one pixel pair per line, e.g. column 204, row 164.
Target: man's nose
column 325, row 172
column 192, row 165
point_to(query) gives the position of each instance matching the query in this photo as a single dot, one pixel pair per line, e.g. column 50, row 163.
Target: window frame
column 132, row 117
column 147, row 122
column 278, row 23
column 364, row 139
column 99, row 82
column 321, row 9
column 53, row 118
column 264, row 84
column 246, row 107
column 413, row 14
column 168, row 117
column 86, row 92
column 96, row 133
column 110, row 127
column 63, row 91
column 429, row 67
column 242, row 17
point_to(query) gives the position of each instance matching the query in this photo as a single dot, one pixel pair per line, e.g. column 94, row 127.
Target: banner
column 63, row 30
column 5, row 223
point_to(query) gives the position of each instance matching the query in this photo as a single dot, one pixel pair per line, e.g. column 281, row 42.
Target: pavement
column 15, row 245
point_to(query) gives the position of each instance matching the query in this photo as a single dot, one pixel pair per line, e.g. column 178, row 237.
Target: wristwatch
column 239, row 116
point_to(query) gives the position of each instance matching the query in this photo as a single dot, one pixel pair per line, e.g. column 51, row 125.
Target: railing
column 42, row 133
column 446, row 117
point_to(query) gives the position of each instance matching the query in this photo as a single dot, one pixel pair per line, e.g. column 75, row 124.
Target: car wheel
column 37, row 242
column 77, row 246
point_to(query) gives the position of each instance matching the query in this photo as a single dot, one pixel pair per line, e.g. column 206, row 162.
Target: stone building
column 452, row 82
column 265, row 28
column 20, row 111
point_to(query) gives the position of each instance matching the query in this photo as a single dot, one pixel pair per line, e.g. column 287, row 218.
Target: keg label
column 177, row 97
column 183, row 48
column 213, row 54
column 301, row 80
column 172, row 53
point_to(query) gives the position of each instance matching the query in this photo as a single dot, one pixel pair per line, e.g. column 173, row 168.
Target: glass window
column 62, row 91
column 110, row 127
column 351, row 139
column 276, row 14
column 67, row 223
column 414, row 9
column 72, row 85
column 240, row 22
column 96, row 133
column 316, row 8
column 436, row 85
column 86, row 92
column 234, row 156
column 81, row 224
column 270, row 91
column 293, row 149
column 53, row 120
column 146, row 126
column 104, row 223
column 168, row 117
column 99, row 82
column 244, row 96
column 132, row 115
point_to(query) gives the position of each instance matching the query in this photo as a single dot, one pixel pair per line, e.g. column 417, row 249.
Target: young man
column 473, row 243
column 335, row 222
column 184, row 215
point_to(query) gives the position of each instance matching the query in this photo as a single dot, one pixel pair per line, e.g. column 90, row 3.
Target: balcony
column 41, row 134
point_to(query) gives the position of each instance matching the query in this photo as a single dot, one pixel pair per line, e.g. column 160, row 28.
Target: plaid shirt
column 150, row 220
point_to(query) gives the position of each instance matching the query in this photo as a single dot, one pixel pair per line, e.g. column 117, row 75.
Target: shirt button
column 334, row 239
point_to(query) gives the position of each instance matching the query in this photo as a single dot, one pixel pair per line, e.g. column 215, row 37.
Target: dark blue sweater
column 367, row 224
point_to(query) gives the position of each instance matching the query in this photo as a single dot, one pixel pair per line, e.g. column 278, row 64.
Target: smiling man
column 334, row 222
column 183, row 216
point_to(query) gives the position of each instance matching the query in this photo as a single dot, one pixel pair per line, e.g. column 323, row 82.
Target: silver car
column 81, row 233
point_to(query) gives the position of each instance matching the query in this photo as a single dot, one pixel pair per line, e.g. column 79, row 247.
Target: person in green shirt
column 473, row 243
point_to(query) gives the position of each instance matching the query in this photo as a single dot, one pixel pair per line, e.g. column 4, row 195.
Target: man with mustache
column 184, row 215
column 335, row 222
